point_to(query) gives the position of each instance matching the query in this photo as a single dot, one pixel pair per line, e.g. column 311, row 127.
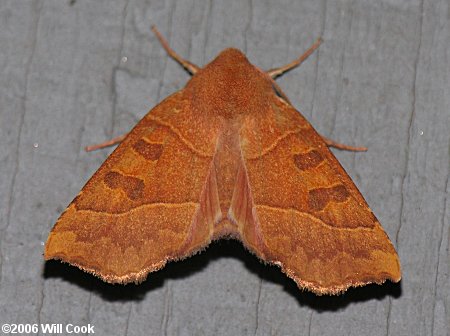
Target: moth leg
column 274, row 73
column 112, row 142
column 192, row 68
column 332, row 143
column 280, row 92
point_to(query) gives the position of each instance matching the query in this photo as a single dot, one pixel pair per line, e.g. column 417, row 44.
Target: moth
column 228, row 156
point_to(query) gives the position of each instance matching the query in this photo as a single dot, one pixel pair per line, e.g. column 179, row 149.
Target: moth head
column 231, row 56
column 231, row 86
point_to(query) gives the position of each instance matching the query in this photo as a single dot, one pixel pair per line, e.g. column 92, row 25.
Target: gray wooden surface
column 76, row 72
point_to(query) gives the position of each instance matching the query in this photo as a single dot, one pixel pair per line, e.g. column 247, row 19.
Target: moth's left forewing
column 308, row 215
column 146, row 204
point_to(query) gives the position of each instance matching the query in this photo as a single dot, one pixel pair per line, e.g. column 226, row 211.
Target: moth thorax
column 230, row 91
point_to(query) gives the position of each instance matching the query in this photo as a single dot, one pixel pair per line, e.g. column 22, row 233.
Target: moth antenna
column 274, row 73
column 192, row 68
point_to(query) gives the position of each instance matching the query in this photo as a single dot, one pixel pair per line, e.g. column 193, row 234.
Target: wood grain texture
column 200, row 166
column 379, row 80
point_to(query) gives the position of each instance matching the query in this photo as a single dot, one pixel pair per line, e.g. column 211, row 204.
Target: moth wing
column 302, row 211
column 146, row 204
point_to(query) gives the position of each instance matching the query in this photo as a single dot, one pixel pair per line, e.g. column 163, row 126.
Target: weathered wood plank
column 77, row 72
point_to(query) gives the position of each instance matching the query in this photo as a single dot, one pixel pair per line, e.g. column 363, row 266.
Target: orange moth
column 228, row 156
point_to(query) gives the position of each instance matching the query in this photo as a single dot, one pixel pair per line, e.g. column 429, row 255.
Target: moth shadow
column 273, row 274
column 133, row 292
column 217, row 250
column 331, row 302
column 118, row 292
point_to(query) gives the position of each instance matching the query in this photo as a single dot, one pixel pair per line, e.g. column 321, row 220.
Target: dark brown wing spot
column 132, row 186
column 150, row 151
column 308, row 160
column 320, row 197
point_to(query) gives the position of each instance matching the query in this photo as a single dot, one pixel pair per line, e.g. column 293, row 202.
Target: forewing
column 153, row 200
column 307, row 215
